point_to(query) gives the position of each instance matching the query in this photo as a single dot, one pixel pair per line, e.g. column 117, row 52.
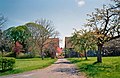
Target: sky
column 65, row 14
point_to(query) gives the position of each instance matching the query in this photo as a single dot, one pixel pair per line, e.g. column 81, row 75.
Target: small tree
column 83, row 40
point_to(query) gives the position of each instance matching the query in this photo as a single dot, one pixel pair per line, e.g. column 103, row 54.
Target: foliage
column 41, row 31
column 110, row 67
column 9, row 54
column 26, row 55
column 31, row 37
column 18, row 34
column 105, row 23
column 23, row 65
column 45, row 33
column 6, row 63
column 83, row 40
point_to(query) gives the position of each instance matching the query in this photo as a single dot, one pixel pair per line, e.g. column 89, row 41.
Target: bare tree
column 41, row 31
column 35, row 30
column 45, row 33
column 56, row 34
column 2, row 21
column 105, row 23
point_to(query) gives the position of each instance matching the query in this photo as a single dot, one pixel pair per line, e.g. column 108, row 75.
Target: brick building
column 68, row 44
column 69, row 49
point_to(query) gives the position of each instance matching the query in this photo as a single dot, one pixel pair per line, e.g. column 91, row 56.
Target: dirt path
column 61, row 69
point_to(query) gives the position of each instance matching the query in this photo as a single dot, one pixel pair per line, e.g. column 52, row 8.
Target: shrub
column 26, row 55
column 9, row 54
column 6, row 63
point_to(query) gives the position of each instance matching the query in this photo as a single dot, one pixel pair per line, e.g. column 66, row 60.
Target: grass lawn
column 23, row 65
column 110, row 68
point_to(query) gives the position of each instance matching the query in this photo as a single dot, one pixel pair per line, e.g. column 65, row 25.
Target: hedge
column 6, row 63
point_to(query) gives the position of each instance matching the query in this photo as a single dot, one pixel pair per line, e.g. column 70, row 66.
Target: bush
column 26, row 55
column 9, row 54
column 6, row 63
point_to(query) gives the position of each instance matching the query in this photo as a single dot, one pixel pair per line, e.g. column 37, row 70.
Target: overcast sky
column 65, row 14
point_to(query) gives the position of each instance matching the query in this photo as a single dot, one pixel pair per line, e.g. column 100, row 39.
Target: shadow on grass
column 14, row 71
column 63, row 63
column 78, row 60
column 94, row 68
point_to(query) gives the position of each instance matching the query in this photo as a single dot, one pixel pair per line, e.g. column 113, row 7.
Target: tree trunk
column 25, row 47
column 78, row 54
column 2, row 52
column 42, row 53
column 85, row 54
column 42, row 57
column 15, row 53
column 99, row 55
column 52, row 55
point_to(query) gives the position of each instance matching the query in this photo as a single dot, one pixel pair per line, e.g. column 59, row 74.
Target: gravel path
column 61, row 69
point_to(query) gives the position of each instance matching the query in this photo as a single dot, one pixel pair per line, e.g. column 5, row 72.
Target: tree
column 41, row 31
column 18, row 34
column 36, row 31
column 75, row 42
column 2, row 21
column 83, row 40
column 52, row 49
column 105, row 24
column 46, row 33
column 56, row 34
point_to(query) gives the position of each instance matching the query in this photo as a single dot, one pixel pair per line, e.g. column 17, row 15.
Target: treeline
column 27, row 40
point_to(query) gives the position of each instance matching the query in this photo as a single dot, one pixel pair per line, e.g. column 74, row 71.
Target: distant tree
column 18, row 34
column 35, row 36
column 36, row 31
column 83, row 40
column 46, row 33
column 112, row 47
column 56, row 34
column 105, row 23
column 75, row 42
column 52, row 49
column 2, row 22
column 41, row 31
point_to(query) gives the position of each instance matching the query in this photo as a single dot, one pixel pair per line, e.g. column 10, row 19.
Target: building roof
column 52, row 42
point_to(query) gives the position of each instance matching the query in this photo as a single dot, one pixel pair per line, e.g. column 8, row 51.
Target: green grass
column 110, row 68
column 23, row 65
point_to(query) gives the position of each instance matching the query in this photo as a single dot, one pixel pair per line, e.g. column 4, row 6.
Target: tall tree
column 41, row 30
column 46, row 33
column 18, row 34
column 105, row 23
